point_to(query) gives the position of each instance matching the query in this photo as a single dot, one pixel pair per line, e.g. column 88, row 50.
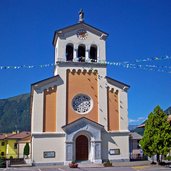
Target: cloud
column 140, row 119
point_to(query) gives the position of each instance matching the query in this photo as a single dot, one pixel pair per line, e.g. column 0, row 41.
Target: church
column 79, row 114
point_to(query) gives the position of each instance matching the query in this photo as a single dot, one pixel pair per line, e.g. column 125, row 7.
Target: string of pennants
column 125, row 64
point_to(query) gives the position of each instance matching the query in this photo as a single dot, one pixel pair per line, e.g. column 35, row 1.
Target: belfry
column 79, row 114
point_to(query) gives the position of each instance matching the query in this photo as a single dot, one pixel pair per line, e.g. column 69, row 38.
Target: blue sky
column 137, row 30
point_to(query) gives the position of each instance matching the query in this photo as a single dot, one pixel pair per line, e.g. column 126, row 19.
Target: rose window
column 82, row 103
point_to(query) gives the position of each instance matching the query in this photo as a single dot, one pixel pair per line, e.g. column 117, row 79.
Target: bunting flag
column 150, row 59
column 26, row 66
column 143, row 64
column 165, row 69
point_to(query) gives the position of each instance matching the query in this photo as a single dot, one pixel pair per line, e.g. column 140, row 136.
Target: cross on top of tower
column 81, row 16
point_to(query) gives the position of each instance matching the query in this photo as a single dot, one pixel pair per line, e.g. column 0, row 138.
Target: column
column 96, row 152
column 75, row 58
column 98, row 54
column 87, row 55
column 69, row 152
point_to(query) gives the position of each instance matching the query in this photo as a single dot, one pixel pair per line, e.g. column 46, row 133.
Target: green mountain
column 168, row 111
column 141, row 130
column 15, row 113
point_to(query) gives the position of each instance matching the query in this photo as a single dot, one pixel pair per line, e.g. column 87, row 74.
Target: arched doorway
column 82, row 148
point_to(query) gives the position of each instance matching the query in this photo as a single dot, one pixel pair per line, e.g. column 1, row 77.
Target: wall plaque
column 49, row 154
column 114, row 151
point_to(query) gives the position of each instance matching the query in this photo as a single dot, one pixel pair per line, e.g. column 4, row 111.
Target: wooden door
column 81, row 148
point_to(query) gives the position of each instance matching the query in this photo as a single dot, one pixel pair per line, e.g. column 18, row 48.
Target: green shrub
column 168, row 158
column 107, row 164
column 2, row 163
column 26, row 150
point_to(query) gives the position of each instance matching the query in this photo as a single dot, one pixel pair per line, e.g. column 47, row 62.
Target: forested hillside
column 15, row 113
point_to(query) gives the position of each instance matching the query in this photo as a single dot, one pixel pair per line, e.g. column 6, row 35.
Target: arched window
column 69, row 52
column 93, row 53
column 81, row 53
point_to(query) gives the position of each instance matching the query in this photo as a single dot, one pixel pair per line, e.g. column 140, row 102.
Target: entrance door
column 82, row 148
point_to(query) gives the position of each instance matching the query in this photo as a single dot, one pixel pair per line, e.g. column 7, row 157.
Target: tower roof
column 80, row 25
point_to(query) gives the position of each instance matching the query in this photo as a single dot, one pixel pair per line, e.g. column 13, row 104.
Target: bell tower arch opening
column 93, row 53
column 81, row 53
column 69, row 52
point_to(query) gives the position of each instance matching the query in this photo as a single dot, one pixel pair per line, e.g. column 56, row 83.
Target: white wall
column 123, row 110
column 115, row 141
column 21, row 149
column 37, row 112
column 43, row 143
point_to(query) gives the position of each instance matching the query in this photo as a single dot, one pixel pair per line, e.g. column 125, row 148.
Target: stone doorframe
column 89, row 129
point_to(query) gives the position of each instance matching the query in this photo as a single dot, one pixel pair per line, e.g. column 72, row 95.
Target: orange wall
column 81, row 83
column 113, row 113
column 49, row 122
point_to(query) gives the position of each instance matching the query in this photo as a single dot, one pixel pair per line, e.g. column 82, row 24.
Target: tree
column 26, row 150
column 157, row 134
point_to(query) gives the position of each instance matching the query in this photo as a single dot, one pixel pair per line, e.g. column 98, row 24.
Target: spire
column 81, row 16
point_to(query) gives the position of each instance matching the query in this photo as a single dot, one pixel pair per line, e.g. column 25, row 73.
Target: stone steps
column 88, row 164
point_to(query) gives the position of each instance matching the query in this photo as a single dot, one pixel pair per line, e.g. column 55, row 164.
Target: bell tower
column 80, row 46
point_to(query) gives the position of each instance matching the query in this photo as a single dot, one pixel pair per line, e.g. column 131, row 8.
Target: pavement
column 92, row 165
column 131, row 163
column 117, row 166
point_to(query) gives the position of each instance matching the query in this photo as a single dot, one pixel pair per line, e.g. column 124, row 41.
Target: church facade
column 79, row 114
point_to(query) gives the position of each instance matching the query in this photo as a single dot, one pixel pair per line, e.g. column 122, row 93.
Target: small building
column 169, row 119
column 79, row 113
column 3, row 144
column 134, row 146
column 12, row 145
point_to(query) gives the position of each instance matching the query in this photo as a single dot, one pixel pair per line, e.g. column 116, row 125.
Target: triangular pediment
column 82, row 25
column 116, row 83
column 82, row 123
column 46, row 83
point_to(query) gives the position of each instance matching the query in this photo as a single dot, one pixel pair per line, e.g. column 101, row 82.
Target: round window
column 82, row 103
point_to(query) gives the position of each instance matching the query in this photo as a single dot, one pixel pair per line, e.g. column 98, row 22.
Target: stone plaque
column 69, row 152
column 49, row 154
column 114, row 151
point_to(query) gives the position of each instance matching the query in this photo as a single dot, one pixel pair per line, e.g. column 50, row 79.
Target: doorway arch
column 81, row 147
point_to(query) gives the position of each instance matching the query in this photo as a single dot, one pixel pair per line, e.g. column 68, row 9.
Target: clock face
column 82, row 34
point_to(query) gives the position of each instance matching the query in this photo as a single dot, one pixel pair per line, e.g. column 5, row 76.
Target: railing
column 137, row 157
column 17, row 161
column 81, row 60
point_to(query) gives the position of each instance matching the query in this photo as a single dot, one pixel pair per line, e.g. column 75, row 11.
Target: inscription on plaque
column 49, row 154
column 114, row 151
